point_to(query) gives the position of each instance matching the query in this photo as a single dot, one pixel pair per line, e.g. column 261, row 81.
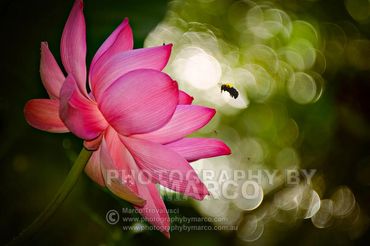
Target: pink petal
column 51, row 75
column 80, row 115
column 93, row 169
column 73, row 45
column 154, row 211
column 116, row 170
column 120, row 40
column 193, row 149
column 104, row 74
column 165, row 166
column 185, row 120
column 93, row 144
column 184, row 98
column 43, row 114
column 140, row 101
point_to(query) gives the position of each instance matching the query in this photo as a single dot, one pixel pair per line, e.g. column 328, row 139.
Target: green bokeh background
column 33, row 164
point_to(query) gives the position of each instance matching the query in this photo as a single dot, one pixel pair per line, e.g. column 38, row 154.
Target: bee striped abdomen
column 230, row 89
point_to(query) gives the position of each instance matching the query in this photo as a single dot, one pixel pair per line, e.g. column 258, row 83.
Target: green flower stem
column 63, row 192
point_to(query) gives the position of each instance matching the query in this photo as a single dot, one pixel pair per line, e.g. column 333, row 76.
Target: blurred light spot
column 324, row 217
column 302, row 88
column 287, row 202
column 343, row 201
column 213, row 207
column 287, row 158
column 320, row 84
column 320, row 63
column 236, row 15
column 231, row 136
column 252, row 150
column 232, row 217
column 358, row 9
column 284, row 73
column 163, row 33
column 310, row 203
column 222, row 171
column 265, row 22
column 264, row 56
column 288, row 198
column 138, row 227
column 243, row 77
column 359, row 223
column 304, row 30
column 261, row 87
column 334, row 32
column 250, row 229
column 353, row 217
column 194, row 66
column 300, row 54
column 253, row 199
column 293, row 57
column 200, row 35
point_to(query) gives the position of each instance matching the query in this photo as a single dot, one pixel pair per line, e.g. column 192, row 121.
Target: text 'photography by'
column 185, row 122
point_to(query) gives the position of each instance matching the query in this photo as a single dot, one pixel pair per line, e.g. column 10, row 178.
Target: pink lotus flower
column 135, row 118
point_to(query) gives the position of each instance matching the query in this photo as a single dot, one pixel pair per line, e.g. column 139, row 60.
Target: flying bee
column 230, row 89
